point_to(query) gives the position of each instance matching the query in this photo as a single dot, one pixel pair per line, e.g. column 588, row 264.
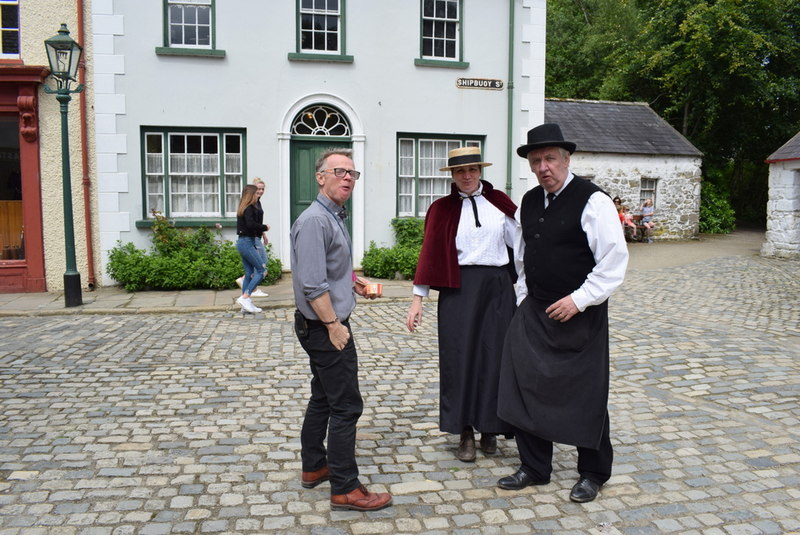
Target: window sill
column 200, row 52
column 208, row 222
column 333, row 58
column 419, row 62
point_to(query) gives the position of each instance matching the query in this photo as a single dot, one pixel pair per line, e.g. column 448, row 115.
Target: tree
column 725, row 73
column 584, row 41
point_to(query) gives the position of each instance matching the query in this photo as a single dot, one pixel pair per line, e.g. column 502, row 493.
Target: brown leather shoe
column 466, row 448
column 309, row 480
column 360, row 499
column 488, row 443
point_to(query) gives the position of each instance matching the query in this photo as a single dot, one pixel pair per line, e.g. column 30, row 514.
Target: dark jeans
column 536, row 455
column 333, row 409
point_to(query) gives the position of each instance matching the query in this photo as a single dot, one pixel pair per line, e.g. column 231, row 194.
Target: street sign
column 479, row 83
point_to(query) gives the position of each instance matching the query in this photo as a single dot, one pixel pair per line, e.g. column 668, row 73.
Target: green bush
column 378, row 262
column 129, row 266
column 182, row 260
column 386, row 263
column 716, row 214
column 406, row 258
column 408, row 231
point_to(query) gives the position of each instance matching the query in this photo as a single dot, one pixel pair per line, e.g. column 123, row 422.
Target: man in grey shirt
column 324, row 286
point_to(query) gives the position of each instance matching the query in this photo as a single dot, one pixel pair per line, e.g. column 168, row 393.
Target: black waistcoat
column 557, row 254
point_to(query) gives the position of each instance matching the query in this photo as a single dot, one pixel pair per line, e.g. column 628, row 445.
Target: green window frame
column 9, row 29
column 419, row 158
column 441, row 34
column 321, row 31
column 190, row 29
column 193, row 174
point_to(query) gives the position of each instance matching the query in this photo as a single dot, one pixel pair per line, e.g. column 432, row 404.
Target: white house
column 783, row 205
column 194, row 98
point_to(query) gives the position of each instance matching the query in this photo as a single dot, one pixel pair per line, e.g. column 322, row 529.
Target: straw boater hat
column 545, row 135
column 464, row 156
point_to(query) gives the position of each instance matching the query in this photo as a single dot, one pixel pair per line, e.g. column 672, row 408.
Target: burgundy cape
column 438, row 259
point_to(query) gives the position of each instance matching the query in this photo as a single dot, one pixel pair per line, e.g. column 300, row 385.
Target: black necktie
column 550, row 197
column 475, row 209
column 343, row 213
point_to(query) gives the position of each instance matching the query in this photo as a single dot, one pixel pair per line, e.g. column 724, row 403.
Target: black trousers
column 333, row 408
column 536, row 455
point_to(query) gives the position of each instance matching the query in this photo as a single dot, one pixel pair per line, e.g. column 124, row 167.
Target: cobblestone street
column 189, row 423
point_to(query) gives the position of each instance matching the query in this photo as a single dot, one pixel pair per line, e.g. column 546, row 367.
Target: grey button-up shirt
column 321, row 259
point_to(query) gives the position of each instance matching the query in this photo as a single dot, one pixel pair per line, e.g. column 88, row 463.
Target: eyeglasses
column 340, row 172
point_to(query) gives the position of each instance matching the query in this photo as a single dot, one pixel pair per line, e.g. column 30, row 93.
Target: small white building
column 783, row 205
column 632, row 153
column 194, row 98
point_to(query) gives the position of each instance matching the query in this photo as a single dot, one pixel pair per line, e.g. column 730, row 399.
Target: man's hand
column 360, row 286
column 562, row 310
column 338, row 335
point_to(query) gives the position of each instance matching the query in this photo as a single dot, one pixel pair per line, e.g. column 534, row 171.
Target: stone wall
column 677, row 202
column 783, row 211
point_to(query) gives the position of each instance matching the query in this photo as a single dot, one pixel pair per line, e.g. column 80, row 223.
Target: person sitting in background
column 627, row 221
column 647, row 211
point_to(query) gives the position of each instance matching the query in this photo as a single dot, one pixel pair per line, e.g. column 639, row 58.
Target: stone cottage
column 783, row 205
column 631, row 152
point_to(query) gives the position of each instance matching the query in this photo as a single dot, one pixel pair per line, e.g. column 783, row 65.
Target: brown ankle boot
column 360, row 499
column 466, row 447
column 309, row 480
column 489, row 443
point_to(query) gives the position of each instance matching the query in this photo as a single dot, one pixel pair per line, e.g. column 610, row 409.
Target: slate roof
column 619, row 127
column 789, row 151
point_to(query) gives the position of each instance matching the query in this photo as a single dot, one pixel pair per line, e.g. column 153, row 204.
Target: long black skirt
column 472, row 324
column 555, row 376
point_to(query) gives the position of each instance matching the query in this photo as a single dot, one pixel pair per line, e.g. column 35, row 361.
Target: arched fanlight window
column 320, row 120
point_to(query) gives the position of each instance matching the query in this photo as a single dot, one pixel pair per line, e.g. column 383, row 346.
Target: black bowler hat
column 545, row 135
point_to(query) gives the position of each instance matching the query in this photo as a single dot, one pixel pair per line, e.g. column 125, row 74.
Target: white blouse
column 484, row 245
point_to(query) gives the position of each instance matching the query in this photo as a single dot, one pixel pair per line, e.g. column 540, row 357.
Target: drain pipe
column 87, row 183
column 510, row 93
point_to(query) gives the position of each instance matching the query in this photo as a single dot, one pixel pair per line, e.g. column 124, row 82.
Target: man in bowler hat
column 570, row 255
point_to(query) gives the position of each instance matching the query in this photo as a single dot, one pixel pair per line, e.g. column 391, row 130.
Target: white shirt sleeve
column 519, row 254
column 421, row 290
column 600, row 222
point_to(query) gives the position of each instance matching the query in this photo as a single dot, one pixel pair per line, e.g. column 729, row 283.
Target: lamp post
column 64, row 54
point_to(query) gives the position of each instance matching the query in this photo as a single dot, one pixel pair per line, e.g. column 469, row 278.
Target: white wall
column 256, row 87
column 783, row 211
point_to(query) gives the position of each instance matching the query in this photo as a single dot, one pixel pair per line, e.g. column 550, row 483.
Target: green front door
column 303, row 184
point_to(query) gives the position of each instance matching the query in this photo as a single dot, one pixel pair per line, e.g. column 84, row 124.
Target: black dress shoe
column 519, row 480
column 585, row 490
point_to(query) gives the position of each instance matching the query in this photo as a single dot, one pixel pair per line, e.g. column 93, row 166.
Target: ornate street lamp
column 64, row 54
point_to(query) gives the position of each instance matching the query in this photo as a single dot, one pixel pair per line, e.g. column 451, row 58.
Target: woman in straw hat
column 465, row 256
